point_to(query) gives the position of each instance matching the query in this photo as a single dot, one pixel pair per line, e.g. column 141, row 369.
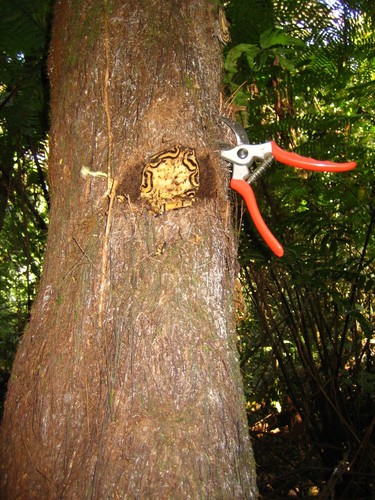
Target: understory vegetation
column 302, row 73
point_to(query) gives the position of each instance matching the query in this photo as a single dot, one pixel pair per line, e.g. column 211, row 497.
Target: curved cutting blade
column 238, row 130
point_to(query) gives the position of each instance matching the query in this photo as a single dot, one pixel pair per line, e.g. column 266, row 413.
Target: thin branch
column 355, row 284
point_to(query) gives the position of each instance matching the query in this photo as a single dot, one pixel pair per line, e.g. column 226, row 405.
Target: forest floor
column 289, row 465
column 286, row 467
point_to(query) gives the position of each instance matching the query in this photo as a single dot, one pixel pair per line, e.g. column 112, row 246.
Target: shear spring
column 267, row 162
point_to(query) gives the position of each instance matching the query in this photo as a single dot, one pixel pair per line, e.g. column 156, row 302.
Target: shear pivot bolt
column 242, row 153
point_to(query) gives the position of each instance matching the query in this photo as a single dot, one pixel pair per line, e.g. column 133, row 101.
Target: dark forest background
column 303, row 73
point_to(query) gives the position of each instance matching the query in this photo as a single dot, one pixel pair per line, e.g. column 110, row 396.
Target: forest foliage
column 24, row 196
column 303, row 73
column 306, row 78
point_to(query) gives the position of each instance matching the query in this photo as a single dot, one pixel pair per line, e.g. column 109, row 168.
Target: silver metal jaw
column 243, row 155
column 238, row 130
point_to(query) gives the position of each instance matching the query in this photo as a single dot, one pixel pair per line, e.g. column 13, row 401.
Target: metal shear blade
column 238, row 130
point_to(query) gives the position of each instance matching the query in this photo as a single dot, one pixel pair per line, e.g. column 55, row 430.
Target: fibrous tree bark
column 126, row 383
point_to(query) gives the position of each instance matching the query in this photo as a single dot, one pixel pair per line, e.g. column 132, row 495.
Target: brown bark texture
column 126, row 383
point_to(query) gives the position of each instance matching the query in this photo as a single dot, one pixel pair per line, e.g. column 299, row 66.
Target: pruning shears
column 244, row 154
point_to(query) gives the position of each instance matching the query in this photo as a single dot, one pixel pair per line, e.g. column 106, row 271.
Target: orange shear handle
column 295, row 160
column 245, row 190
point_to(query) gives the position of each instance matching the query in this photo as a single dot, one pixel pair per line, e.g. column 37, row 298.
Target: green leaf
column 272, row 37
column 250, row 50
column 367, row 327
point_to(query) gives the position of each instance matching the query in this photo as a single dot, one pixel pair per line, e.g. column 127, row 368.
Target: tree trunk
column 127, row 383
